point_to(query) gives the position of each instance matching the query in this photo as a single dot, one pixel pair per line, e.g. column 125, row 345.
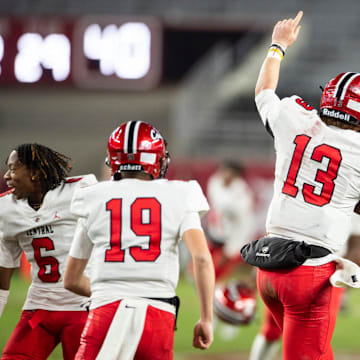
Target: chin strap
column 117, row 176
column 3, row 299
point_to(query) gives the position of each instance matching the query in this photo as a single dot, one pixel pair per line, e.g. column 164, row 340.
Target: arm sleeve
column 195, row 199
column 81, row 246
column 190, row 221
column 10, row 253
column 268, row 105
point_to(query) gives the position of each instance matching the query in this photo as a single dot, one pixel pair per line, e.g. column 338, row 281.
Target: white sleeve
column 268, row 105
column 78, row 206
column 81, row 246
column 190, row 221
column 10, row 253
column 87, row 180
column 195, row 199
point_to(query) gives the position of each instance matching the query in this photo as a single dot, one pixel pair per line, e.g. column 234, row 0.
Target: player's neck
column 36, row 200
column 135, row 175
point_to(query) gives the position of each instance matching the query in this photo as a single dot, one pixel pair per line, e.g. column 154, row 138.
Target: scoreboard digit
column 92, row 52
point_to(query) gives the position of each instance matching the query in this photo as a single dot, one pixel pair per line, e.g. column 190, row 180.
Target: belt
column 175, row 301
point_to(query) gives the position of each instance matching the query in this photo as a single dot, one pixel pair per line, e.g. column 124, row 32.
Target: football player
column 231, row 219
column 317, row 186
column 229, row 225
column 35, row 218
column 132, row 225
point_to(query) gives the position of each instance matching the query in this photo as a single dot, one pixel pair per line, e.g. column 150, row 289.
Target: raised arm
column 284, row 34
column 205, row 284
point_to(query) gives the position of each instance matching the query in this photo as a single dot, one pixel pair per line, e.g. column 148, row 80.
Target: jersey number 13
column 325, row 177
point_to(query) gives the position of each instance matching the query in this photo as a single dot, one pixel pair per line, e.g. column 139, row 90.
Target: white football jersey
column 317, row 174
column 131, row 228
column 231, row 218
column 45, row 236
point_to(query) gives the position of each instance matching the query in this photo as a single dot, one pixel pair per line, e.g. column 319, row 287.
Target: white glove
column 347, row 274
column 3, row 299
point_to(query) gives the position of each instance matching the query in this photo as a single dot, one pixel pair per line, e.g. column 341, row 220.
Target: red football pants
column 272, row 331
column 302, row 301
column 38, row 332
column 157, row 339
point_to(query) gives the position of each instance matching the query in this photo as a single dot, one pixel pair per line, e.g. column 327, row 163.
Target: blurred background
column 72, row 71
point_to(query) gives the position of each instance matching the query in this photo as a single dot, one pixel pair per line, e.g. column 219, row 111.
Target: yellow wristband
column 275, row 53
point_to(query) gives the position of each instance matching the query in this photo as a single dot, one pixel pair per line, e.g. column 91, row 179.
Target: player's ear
column 34, row 175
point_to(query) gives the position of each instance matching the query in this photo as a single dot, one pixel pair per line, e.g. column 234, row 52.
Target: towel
column 346, row 275
column 125, row 331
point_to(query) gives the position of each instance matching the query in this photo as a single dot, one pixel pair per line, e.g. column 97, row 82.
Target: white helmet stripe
column 348, row 82
column 136, row 132
column 126, row 137
column 338, row 83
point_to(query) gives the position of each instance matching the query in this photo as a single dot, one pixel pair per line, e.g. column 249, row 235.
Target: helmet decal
column 155, row 134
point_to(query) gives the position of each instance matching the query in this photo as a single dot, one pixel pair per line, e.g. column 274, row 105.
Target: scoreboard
column 91, row 52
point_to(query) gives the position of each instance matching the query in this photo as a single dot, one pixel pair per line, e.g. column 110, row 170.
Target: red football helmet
column 340, row 99
column 235, row 303
column 137, row 146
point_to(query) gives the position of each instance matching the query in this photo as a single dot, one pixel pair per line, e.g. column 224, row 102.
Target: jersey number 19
column 150, row 228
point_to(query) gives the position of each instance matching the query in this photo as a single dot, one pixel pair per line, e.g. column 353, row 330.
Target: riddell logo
column 336, row 114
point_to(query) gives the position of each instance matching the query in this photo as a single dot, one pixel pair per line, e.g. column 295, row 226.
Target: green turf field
column 345, row 337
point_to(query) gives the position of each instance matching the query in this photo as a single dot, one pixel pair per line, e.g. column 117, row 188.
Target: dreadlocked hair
column 53, row 167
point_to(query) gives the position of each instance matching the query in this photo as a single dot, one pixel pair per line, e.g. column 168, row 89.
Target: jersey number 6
column 324, row 177
column 48, row 265
column 150, row 228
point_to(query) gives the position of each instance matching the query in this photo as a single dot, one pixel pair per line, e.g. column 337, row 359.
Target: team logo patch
column 264, row 252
